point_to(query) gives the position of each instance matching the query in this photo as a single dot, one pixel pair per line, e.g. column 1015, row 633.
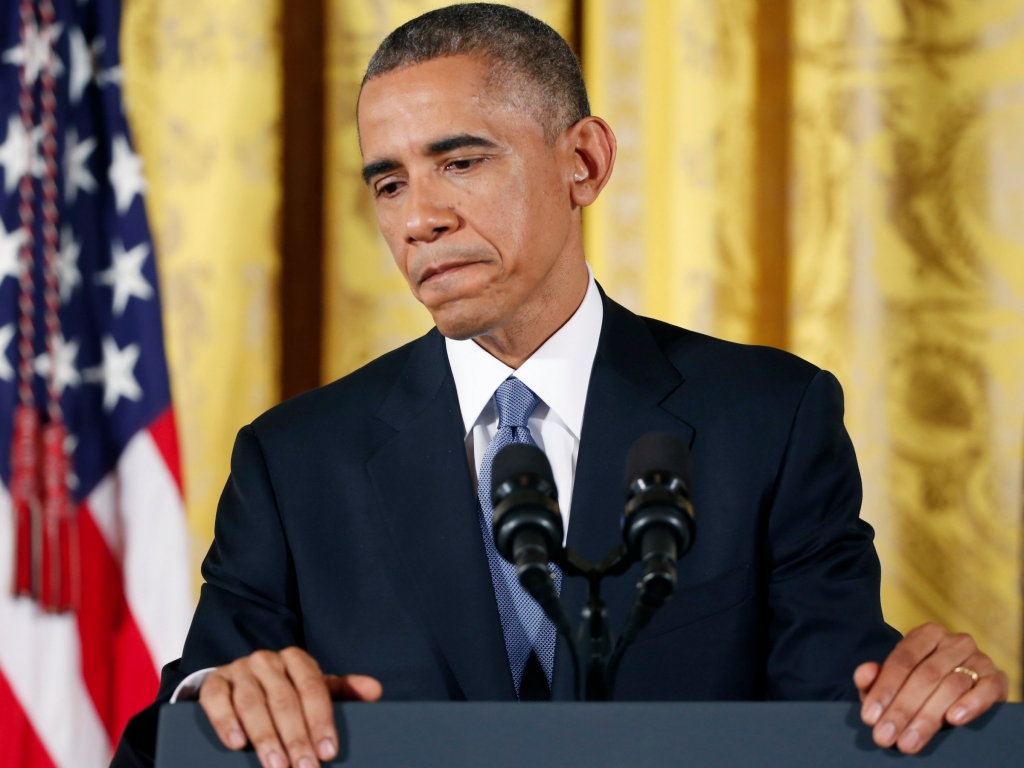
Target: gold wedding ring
column 970, row 673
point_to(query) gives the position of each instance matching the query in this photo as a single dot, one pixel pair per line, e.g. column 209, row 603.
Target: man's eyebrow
column 439, row 147
column 459, row 141
column 378, row 167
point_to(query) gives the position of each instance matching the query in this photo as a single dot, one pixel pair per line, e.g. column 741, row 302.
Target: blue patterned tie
column 529, row 634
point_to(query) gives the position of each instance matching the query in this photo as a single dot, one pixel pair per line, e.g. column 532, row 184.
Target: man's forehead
column 414, row 107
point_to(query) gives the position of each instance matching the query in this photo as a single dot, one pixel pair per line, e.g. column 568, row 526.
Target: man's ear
column 593, row 145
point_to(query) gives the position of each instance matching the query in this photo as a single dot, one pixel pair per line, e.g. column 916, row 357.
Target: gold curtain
column 908, row 282
column 670, row 236
column 368, row 309
column 202, row 87
column 905, row 255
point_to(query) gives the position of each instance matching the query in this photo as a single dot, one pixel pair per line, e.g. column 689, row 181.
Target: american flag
column 94, row 579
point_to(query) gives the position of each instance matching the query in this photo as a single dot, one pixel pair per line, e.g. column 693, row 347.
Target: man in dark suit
column 351, row 538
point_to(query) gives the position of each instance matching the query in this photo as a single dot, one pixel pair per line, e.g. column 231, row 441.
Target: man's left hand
column 925, row 682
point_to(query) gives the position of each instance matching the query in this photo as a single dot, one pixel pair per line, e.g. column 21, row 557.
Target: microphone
column 658, row 526
column 527, row 525
column 528, row 531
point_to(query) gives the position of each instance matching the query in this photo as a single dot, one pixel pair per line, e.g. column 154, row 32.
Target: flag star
column 36, row 52
column 76, row 171
column 6, row 335
column 125, row 275
column 68, row 275
column 83, row 61
column 66, row 373
column 125, row 173
column 116, row 373
column 10, row 247
column 19, row 154
column 114, row 75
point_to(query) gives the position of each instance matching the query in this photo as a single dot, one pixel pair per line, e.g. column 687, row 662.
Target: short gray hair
column 516, row 43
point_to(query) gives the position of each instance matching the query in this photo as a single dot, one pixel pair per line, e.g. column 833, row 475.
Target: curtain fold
column 908, row 282
column 202, row 87
column 671, row 235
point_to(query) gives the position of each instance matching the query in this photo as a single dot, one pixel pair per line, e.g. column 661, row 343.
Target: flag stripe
column 116, row 665
column 40, row 657
column 165, row 435
column 156, row 549
column 19, row 744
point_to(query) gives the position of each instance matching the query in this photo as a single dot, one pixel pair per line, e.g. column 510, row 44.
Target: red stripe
column 165, row 435
column 19, row 745
column 119, row 673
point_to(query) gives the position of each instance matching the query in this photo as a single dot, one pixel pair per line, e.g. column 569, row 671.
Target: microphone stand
column 593, row 647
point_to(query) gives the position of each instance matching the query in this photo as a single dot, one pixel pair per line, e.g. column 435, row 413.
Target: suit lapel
column 422, row 477
column 631, row 385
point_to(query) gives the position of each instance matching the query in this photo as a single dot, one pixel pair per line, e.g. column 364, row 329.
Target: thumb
column 865, row 675
column 354, row 687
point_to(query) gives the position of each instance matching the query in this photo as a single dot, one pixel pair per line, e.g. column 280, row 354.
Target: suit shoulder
column 352, row 397
column 744, row 367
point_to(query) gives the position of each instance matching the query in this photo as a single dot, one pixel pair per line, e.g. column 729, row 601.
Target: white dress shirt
column 558, row 373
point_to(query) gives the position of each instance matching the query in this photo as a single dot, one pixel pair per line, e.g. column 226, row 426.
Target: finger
column 285, row 708
column 315, row 700
column 215, row 699
column 927, row 722
column 250, row 704
column 865, row 675
column 920, row 685
column 909, row 652
column 354, row 687
column 993, row 686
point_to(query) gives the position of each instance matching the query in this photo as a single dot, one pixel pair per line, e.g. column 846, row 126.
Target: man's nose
column 428, row 215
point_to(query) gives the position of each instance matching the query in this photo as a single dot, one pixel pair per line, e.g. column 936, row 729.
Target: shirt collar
column 558, row 372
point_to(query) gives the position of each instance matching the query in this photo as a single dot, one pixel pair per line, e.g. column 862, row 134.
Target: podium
column 603, row 735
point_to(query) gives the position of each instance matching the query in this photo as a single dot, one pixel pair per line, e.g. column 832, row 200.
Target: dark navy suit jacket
column 349, row 527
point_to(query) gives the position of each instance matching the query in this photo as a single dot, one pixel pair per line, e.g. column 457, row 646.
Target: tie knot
column 515, row 402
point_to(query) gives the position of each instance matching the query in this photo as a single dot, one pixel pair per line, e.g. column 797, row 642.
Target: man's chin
column 464, row 321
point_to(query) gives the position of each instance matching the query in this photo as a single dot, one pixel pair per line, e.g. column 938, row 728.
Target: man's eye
column 464, row 165
column 387, row 190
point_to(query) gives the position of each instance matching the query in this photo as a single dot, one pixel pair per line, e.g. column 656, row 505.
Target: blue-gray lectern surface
column 603, row 735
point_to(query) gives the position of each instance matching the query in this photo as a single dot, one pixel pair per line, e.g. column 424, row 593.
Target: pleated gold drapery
column 671, row 235
column 904, row 257
column 908, row 282
column 202, row 87
column 368, row 309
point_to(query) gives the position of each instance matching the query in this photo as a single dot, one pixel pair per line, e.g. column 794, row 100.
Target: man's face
column 472, row 200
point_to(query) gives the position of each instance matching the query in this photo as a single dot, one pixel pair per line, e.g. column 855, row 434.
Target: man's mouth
column 439, row 271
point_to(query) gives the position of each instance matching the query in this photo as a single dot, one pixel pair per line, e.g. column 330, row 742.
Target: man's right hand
column 281, row 703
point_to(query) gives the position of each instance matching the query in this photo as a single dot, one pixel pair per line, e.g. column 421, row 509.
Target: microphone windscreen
column 520, row 459
column 659, row 452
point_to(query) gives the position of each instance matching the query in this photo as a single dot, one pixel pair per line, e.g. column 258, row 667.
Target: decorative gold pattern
column 670, row 235
column 202, row 84
column 908, row 281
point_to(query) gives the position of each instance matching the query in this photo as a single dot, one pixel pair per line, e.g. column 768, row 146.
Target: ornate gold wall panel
column 368, row 309
column 202, row 85
column 908, row 281
column 671, row 234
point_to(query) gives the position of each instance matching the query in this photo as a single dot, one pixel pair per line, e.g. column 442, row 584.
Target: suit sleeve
column 248, row 601
column 823, row 593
